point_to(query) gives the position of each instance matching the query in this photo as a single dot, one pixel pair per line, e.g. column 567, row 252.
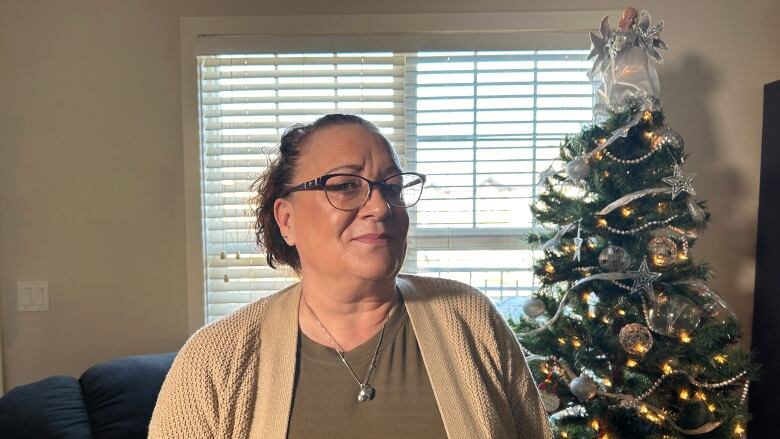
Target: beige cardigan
column 238, row 372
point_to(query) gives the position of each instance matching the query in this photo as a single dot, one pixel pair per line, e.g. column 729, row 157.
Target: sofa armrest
column 53, row 407
column 120, row 394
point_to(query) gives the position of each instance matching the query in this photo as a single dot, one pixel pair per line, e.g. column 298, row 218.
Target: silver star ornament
column 680, row 182
column 643, row 278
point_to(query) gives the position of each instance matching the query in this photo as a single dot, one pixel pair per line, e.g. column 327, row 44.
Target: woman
column 354, row 349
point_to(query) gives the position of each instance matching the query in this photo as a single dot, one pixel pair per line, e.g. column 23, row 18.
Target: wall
column 91, row 173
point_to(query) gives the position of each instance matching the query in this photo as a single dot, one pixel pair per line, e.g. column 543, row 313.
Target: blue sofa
column 113, row 399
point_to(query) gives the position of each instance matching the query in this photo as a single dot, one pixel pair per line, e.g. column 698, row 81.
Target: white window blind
column 481, row 125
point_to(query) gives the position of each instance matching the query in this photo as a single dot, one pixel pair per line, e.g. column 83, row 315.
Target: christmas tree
column 624, row 336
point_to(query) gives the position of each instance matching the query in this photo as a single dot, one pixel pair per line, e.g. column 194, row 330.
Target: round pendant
column 366, row 393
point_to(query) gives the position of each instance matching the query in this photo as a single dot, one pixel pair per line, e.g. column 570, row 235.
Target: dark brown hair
column 278, row 176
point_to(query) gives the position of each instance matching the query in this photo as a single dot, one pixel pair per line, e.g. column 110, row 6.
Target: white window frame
column 381, row 32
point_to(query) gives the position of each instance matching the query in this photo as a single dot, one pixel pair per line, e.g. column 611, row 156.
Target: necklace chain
column 340, row 351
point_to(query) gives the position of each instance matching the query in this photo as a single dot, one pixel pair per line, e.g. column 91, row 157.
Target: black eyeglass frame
column 319, row 183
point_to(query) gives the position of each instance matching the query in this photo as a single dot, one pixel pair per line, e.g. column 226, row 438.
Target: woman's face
column 368, row 243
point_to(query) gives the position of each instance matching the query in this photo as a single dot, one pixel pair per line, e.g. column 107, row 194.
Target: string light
column 562, row 340
column 586, row 296
column 720, row 358
column 684, row 395
column 738, row 429
column 599, row 155
column 700, row 395
column 564, row 434
column 602, row 222
column 622, row 312
column 595, row 425
column 649, row 134
column 549, row 268
column 711, row 407
column 602, row 141
column 682, row 256
column 626, row 212
column 631, row 362
column 660, row 260
column 647, row 116
column 667, row 368
column 591, row 315
column 605, row 173
column 576, row 343
column 684, row 337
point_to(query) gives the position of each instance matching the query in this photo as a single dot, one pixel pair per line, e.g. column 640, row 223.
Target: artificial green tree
column 624, row 336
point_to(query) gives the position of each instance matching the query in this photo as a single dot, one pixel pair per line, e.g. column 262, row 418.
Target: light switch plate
column 32, row 295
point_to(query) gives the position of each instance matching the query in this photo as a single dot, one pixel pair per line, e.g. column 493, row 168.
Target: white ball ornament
column 583, row 388
column 533, row 308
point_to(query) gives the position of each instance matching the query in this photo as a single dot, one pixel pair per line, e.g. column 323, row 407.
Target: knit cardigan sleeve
column 486, row 355
column 208, row 391
column 530, row 418
column 187, row 402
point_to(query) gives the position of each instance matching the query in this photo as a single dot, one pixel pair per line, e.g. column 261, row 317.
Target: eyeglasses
column 351, row 192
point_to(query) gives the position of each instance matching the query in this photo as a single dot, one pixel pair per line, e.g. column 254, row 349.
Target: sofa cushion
column 53, row 407
column 120, row 394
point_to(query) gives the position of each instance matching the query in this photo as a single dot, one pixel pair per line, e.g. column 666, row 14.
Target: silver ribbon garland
column 697, row 213
column 605, row 276
column 622, row 201
column 618, row 133
column 553, row 242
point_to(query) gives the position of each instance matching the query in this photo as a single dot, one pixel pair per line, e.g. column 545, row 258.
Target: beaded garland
column 642, row 227
column 635, row 161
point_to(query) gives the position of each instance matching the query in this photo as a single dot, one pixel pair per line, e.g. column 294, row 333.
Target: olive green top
column 325, row 394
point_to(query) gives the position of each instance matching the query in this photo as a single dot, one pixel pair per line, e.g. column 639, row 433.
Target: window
column 481, row 124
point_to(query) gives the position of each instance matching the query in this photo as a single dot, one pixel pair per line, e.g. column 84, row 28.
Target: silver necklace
column 366, row 392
